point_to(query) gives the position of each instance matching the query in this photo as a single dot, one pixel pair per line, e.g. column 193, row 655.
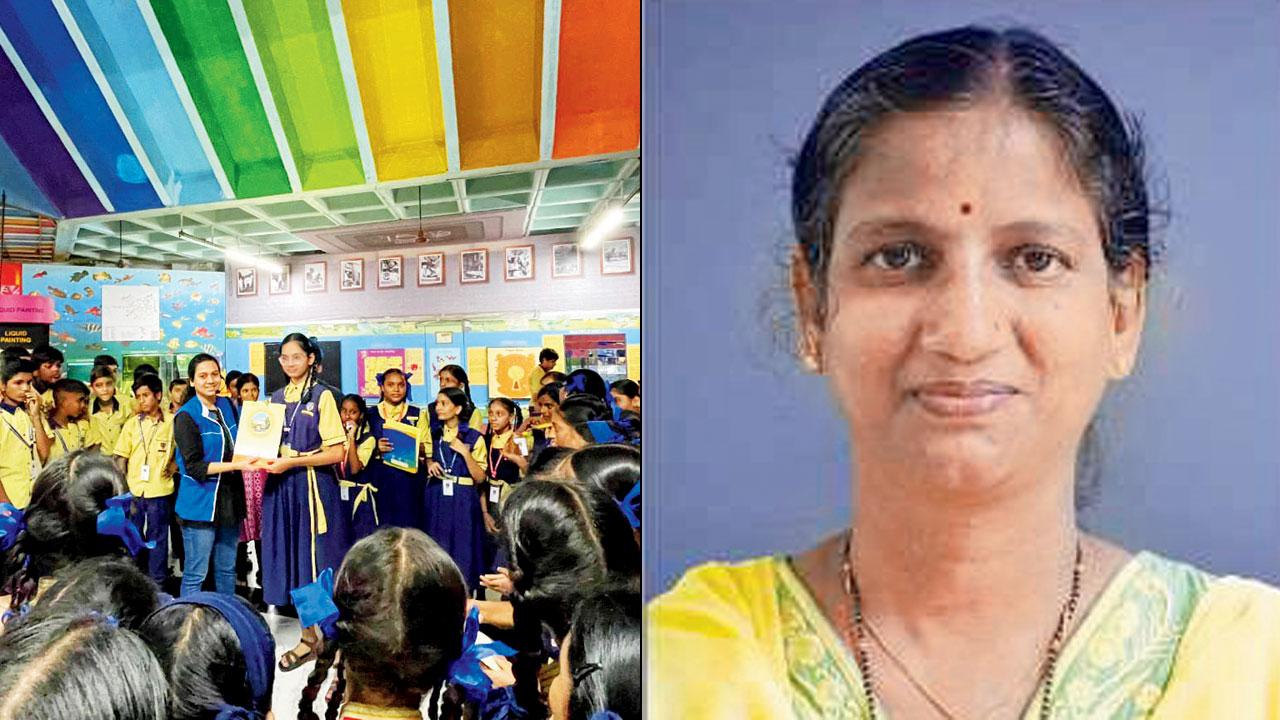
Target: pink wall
column 591, row 291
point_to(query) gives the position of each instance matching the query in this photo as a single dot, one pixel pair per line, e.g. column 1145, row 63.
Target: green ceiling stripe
column 295, row 42
column 206, row 46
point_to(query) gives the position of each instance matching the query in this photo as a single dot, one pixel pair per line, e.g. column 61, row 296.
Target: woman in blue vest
column 451, row 502
column 210, row 489
column 399, row 492
column 304, row 529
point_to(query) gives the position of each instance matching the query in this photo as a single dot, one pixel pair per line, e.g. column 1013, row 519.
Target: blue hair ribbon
column 630, row 506
column 576, row 384
column 12, row 523
column 466, row 672
column 315, row 605
column 108, row 619
column 603, row 432
column 256, row 644
column 115, row 521
column 408, row 388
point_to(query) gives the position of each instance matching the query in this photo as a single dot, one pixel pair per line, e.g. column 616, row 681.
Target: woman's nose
column 964, row 320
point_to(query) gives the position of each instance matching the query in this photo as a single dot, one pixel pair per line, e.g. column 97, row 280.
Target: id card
column 448, row 486
column 145, row 473
column 345, row 492
column 495, row 493
column 35, row 469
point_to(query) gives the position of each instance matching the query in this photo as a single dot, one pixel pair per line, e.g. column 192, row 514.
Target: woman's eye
column 1039, row 261
column 902, row 256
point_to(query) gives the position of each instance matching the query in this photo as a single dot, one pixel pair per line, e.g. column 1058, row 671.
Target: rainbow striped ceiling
column 112, row 107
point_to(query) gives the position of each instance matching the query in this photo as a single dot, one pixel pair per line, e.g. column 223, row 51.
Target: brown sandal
column 291, row 660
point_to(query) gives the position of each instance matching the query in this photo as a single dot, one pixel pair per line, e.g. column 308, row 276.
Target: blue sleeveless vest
column 197, row 500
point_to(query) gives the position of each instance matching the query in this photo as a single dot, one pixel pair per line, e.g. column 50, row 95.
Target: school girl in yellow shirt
column 144, row 453
column 24, row 446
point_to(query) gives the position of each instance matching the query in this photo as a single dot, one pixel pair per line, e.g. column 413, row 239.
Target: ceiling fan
column 421, row 236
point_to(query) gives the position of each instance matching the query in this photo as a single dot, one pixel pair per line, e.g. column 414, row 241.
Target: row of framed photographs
column 473, row 267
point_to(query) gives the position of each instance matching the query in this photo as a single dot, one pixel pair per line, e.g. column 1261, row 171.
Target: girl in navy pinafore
column 399, row 492
column 450, row 498
column 358, row 492
column 304, row 530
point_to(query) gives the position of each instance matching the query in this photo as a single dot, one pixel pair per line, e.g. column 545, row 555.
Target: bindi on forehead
column 966, row 208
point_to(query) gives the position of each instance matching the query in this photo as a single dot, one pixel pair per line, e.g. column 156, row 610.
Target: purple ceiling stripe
column 39, row 148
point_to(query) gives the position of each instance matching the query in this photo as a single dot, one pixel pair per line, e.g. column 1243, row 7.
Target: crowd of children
column 537, row 506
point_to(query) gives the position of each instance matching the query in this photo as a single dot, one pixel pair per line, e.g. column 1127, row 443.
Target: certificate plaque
column 261, row 426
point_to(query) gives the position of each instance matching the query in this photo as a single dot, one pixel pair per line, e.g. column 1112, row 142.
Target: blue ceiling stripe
column 119, row 39
column 46, row 49
column 19, row 187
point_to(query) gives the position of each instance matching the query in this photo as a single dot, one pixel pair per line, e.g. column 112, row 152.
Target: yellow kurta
column 1164, row 641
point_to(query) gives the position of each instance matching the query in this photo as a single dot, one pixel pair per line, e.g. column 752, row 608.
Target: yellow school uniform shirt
column 104, row 427
column 330, row 425
column 66, row 440
column 18, row 454
column 147, row 442
column 500, row 441
column 478, row 451
column 364, row 450
column 396, row 413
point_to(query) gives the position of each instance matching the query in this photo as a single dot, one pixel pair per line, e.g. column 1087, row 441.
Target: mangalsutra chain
column 856, row 636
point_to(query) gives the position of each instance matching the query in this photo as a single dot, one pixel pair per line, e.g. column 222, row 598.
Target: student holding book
column 399, row 490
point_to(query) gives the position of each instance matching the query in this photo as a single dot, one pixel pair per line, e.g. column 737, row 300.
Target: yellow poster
column 511, row 371
column 478, row 365
column 258, row 359
column 555, row 342
column 415, row 363
column 633, row 362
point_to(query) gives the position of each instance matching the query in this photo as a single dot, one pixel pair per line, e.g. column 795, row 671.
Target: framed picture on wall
column 430, row 269
column 391, row 272
column 315, row 277
column 566, row 260
column 615, row 257
column 475, row 266
column 279, row 283
column 351, row 274
column 519, row 263
column 246, row 282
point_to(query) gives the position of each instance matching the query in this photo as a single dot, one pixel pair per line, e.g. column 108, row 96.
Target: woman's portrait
column 1014, row 458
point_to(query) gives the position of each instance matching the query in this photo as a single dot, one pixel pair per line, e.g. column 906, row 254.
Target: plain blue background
column 745, row 456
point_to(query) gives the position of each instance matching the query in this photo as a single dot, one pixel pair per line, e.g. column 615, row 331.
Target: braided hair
column 402, row 604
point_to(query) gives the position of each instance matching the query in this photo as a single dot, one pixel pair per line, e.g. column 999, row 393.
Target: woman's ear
column 805, row 295
column 1128, row 314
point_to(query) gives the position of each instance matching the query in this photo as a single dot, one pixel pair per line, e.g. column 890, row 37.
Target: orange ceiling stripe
column 497, row 79
column 598, row 83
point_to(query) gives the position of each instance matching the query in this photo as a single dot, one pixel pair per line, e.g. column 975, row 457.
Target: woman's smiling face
column 972, row 321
